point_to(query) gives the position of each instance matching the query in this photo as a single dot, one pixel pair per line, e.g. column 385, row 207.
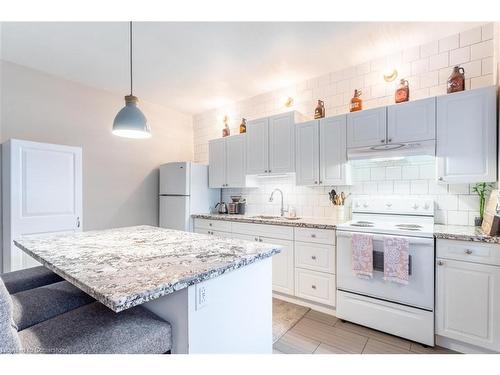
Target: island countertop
column 125, row 267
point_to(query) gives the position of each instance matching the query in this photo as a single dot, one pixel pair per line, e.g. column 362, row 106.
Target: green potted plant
column 482, row 189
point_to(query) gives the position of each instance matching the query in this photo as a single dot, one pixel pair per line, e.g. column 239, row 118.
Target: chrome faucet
column 282, row 210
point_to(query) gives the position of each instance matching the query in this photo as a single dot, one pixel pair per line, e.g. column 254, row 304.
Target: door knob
column 382, row 141
column 313, row 257
column 440, row 262
column 389, row 140
column 313, row 286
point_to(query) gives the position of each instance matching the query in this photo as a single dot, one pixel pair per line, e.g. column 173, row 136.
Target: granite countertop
column 304, row 222
column 463, row 233
column 129, row 266
column 451, row 232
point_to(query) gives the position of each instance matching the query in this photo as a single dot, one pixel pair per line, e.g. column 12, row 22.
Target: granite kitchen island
column 216, row 293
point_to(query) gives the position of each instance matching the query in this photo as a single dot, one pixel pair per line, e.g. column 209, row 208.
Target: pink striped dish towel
column 396, row 259
column 362, row 255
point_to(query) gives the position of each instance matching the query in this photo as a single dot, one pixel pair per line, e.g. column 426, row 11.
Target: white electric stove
column 402, row 310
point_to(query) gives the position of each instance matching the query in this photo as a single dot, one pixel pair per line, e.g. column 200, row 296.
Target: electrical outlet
column 201, row 296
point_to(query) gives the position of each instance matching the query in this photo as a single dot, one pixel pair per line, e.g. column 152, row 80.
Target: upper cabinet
column 466, row 136
column 412, row 121
column 321, row 152
column 393, row 125
column 366, row 128
column 227, row 162
column 271, row 144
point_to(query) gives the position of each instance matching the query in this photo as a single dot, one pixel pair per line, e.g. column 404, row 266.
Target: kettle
column 222, row 208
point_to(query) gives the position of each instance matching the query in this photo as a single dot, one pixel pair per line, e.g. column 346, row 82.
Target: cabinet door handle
column 315, row 182
column 256, row 238
column 382, row 141
column 440, row 263
column 269, row 171
column 260, row 239
column 78, row 221
column 321, row 182
column 468, row 251
column 440, row 178
column 313, row 257
column 389, row 140
column 265, row 171
column 313, row 235
column 313, row 286
column 209, row 224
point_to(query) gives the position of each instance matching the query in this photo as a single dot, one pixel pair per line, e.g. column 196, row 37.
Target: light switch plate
column 201, row 296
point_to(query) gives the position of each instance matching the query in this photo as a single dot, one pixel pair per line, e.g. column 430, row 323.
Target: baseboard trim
column 461, row 347
column 299, row 301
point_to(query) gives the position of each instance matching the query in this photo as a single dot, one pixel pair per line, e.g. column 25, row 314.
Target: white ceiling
column 193, row 67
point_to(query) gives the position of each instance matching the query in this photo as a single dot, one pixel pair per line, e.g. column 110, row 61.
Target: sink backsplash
column 413, row 176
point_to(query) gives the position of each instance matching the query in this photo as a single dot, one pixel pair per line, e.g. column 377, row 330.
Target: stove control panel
column 396, row 205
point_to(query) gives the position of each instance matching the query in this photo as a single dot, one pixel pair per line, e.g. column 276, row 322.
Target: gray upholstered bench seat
column 29, row 278
column 96, row 329
column 36, row 305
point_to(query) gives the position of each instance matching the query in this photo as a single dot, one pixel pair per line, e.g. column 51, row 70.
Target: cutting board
column 491, row 222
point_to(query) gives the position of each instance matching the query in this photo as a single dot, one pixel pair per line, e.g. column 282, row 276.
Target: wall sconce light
column 289, row 102
column 390, row 75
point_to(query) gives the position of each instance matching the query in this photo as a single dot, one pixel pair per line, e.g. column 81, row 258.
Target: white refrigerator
column 184, row 191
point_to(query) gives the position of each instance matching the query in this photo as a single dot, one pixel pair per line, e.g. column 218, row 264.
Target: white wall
column 120, row 177
column 426, row 67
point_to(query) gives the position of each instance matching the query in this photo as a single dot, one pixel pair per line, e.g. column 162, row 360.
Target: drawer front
column 263, row 230
column 316, row 257
column 324, row 236
column 214, row 233
column 221, row 225
column 469, row 251
column 315, row 286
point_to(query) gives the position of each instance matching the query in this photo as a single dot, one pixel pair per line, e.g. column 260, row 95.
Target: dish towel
column 362, row 255
column 396, row 259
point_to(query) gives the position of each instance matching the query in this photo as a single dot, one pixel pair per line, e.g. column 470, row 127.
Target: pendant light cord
column 131, row 86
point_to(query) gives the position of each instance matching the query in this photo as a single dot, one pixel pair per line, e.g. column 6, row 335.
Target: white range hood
column 393, row 150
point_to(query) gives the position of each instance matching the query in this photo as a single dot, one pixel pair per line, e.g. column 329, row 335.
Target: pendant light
column 130, row 122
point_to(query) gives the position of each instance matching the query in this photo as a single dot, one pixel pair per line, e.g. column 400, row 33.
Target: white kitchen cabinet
column 282, row 143
column 468, row 302
column 217, row 163
column 257, row 150
column 227, row 161
column 467, row 136
column 411, row 121
column 367, row 128
column 271, row 144
column 307, row 153
column 321, row 157
column 334, row 169
column 315, row 286
column 283, row 278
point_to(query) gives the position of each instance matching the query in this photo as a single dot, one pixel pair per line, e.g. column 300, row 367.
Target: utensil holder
column 340, row 212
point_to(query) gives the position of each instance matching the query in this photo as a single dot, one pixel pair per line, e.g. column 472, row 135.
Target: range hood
column 393, row 150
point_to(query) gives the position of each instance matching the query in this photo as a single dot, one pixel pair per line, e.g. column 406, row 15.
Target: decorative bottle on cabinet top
column 319, row 112
column 402, row 92
column 356, row 102
column 456, row 81
column 243, row 126
column 226, row 131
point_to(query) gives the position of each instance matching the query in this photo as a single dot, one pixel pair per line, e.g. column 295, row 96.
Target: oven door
column 420, row 289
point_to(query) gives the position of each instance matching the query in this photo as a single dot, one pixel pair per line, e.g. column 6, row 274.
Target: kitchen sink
column 274, row 217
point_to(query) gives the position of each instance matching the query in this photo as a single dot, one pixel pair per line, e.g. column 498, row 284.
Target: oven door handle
column 413, row 240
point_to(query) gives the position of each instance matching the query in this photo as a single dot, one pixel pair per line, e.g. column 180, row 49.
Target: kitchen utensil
column 342, row 198
column 236, row 198
column 332, row 195
column 222, row 208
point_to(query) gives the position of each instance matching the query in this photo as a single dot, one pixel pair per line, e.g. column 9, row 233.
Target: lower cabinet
column 468, row 294
column 305, row 267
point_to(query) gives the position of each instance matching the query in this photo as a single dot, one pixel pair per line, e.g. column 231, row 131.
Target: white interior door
column 174, row 212
column 42, row 192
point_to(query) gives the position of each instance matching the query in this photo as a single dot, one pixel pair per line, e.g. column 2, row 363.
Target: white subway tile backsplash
column 458, row 217
column 449, row 43
column 410, row 172
column 470, row 37
column 429, row 49
column 460, row 56
column 427, row 68
column 439, row 61
column 481, row 50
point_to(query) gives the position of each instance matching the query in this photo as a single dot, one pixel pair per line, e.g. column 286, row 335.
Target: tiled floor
column 319, row 333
